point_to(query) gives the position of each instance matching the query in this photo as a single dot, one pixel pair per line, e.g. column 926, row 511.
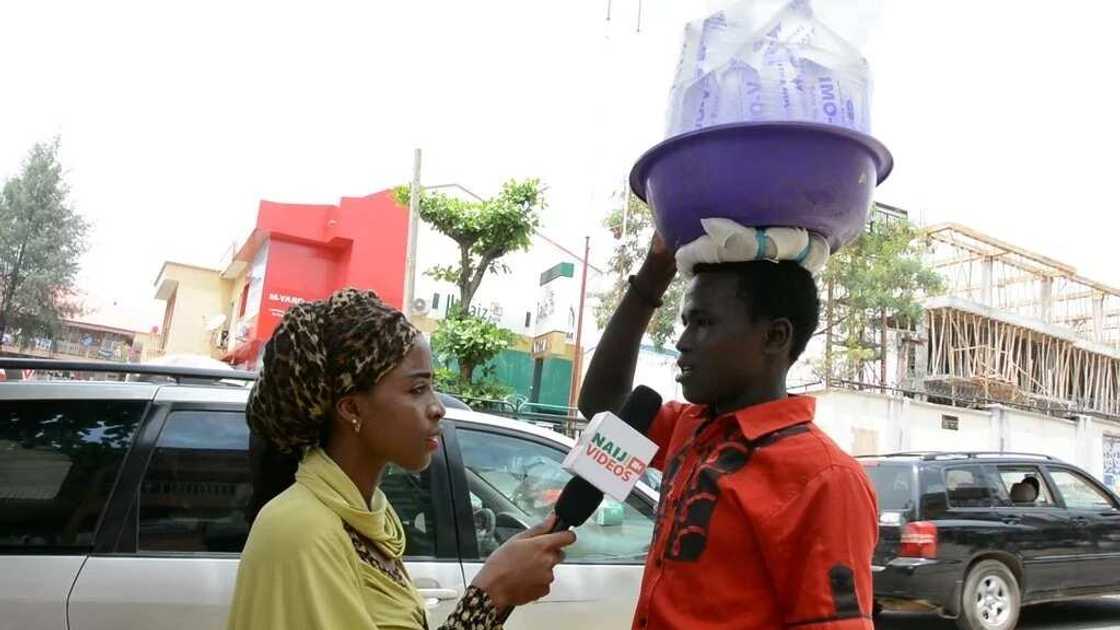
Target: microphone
column 580, row 498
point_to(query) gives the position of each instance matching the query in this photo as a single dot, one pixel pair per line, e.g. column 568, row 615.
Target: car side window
column 1026, row 486
column 197, row 490
column 195, row 494
column 514, row 483
column 59, row 460
column 1079, row 493
column 933, row 499
column 410, row 494
column 971, row 487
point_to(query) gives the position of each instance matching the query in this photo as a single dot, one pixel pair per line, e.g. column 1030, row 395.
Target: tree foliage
column 485, row 231
column 42, row 240
column 879, row 279
column 632, row 243
column 470, row 341
column 483, row 388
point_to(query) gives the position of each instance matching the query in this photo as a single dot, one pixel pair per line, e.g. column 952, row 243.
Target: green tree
column 872, row 285
column 42, row 240
column 472, row 341
column 632, row 227
column 485, row 231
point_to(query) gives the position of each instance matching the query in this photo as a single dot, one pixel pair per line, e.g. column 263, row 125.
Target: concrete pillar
column 1098, row 317
column 1046, row 299
column 1084, row 447
column 921, row 356
column 986, row 281
column 1001, row 432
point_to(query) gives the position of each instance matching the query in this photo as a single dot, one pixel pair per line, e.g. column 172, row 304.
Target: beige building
column 195, row 319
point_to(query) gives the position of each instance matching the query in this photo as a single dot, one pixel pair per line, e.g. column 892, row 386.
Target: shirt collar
column 758, row 420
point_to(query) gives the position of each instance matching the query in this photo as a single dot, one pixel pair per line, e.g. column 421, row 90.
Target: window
column 198, row 487
column 410, row 494
column 1079, row 493
column 1025, row 486
column 970, row 487
column 196, row 492
column 59, row 460
column 435, row 301
column 514, row 482
column 893, row 484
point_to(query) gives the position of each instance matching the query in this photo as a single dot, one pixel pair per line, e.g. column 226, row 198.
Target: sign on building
column 1111, row 445
column 557, row 300
column 541, row 345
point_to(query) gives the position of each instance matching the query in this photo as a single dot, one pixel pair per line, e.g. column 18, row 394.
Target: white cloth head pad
column 726, row 241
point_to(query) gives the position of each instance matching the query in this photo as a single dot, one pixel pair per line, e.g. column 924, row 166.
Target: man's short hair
column 778, row 290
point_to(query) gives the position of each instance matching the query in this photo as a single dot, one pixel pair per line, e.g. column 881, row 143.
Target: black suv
column 974, row 536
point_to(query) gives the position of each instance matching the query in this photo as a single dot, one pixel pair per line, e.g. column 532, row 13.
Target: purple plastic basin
column 791, row 174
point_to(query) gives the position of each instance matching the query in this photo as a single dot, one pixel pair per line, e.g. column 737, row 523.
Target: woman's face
column 400, row 416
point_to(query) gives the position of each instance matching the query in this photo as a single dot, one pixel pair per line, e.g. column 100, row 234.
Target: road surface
column 1092, row 614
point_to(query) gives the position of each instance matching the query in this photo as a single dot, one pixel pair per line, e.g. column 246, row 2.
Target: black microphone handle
column 645, row 395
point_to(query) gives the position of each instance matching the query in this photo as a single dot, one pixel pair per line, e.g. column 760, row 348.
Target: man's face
column 723, row 354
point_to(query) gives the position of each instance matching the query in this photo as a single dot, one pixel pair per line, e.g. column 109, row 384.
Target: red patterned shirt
column 763, row 523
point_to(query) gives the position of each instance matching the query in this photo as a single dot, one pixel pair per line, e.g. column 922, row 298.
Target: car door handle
column 433, row 596
column 1011, row 520
column 1080, row 521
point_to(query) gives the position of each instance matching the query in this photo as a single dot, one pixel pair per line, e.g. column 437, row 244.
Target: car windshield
column 893, row 485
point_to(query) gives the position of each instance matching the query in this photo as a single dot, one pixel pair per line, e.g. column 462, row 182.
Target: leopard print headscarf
column 320, row 352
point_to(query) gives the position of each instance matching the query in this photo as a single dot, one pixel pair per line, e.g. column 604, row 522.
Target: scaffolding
column 1019, row 328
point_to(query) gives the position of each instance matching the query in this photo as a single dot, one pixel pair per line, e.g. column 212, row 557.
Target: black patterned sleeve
column 474, row 612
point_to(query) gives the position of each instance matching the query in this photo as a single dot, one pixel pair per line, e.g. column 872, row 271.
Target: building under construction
column 1017, row 328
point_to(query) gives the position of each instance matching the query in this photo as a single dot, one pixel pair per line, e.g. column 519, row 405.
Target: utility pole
column 577, row 364
column 883, row 350
column 625, row 212
column 828, row 339
column 413, row 228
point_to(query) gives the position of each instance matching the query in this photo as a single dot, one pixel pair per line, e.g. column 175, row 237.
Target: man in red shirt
column 763, row 522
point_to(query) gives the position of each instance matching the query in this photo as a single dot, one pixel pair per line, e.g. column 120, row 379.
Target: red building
column 295, row 253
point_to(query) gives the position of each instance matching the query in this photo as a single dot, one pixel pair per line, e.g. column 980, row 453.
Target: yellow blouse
column 301, row 569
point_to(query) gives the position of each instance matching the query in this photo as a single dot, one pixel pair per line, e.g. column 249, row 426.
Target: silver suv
column 125, row 505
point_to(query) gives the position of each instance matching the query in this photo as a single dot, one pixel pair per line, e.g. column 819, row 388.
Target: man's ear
column 779, row 337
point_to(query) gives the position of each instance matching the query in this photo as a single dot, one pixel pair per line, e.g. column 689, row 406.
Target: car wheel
column 990, row 598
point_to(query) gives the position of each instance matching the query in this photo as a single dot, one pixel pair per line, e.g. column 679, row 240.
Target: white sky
column 177, row 119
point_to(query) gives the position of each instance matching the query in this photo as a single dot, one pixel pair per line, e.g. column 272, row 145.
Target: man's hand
column 659, row 267
column 610, row 375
